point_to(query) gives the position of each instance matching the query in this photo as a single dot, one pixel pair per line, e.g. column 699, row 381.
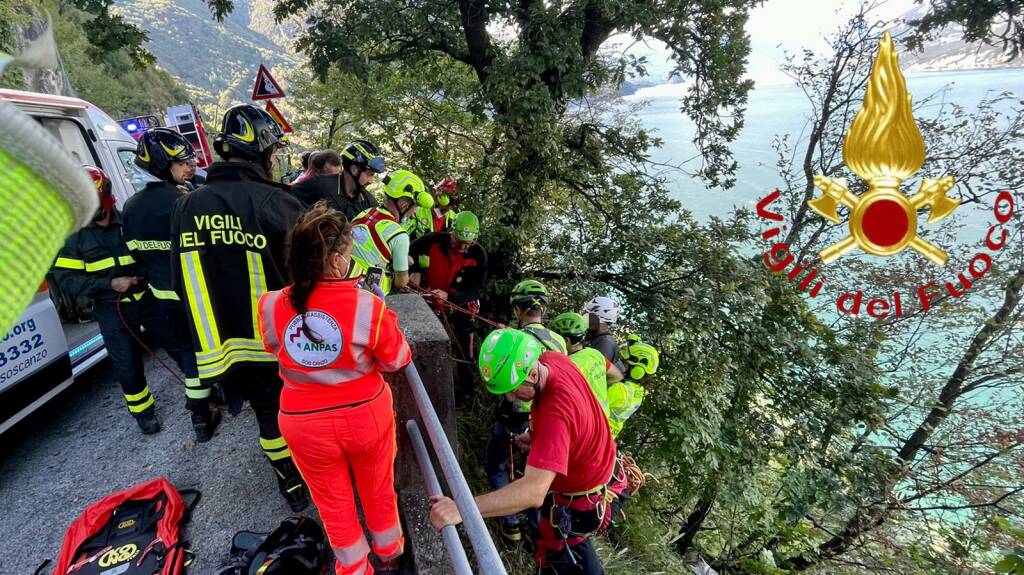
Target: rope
column 157, row 357
column 635, row 477
column 454, row 307
column 152, row 353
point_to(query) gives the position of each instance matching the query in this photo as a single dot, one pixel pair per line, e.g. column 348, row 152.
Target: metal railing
column 488, row 560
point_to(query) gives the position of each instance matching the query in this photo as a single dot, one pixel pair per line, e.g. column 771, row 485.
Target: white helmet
column 605, row 308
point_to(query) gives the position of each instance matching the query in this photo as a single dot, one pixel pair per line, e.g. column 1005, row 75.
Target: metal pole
column 460, row 563
column 487, row 556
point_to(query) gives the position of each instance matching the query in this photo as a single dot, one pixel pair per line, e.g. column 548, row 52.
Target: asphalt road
column 84, row 445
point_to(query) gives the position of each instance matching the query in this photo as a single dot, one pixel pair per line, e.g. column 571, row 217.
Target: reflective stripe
column 99, row 265
column 257, row 287
column 138, row 396
column 351, row 555
column 194, row 389
column 141, row 407
column 197, row 393
column 364, row 316
column 164, row 294
column 322, row 376
column 69, row 264
column 275, row 449
column 272, row 444
column 269, row 329
column 386, row 537
column 199, row 301
column 125, row 260
column 223, row 364
column 149, row 245
column 134, row 297
column 139, row 402
column 232, row 345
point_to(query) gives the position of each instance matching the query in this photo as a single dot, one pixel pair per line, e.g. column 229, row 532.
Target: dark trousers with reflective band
column 260, row 384
column 177, row 330
column 126, row 354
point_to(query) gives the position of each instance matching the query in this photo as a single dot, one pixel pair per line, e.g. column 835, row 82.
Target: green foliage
column 113, row 80
column 217, row 61
column 999, row 23
column 108, row 32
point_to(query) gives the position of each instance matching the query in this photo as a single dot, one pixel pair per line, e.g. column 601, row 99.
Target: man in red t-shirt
column 571, row 460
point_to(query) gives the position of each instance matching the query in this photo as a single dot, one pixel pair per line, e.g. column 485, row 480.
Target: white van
column 46, row 349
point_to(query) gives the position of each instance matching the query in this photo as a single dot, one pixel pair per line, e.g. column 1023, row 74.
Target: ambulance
column 55, row 340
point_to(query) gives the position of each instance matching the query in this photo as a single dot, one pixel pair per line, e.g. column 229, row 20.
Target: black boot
column 148, row 422
column 290, row 483
column 204, row 420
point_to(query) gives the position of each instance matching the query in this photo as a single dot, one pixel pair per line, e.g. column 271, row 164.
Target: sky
column 779, row 26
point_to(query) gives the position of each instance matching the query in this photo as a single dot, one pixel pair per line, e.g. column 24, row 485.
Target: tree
column 530, row 62
column 994, row 22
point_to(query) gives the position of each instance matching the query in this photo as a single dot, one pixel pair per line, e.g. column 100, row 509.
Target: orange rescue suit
column 337, row 413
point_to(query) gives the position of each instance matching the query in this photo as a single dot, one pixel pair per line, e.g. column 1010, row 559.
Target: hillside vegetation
column 108, row 79
column 217, row 62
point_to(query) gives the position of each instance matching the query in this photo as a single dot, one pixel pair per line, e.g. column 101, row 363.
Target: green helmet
column 466, row 227
column 570, row 325
column 506, row 358
column 529, row 293
column 405, row 184
column 641, row 358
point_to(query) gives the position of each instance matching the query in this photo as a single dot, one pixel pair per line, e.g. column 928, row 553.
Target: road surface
column 84, row 445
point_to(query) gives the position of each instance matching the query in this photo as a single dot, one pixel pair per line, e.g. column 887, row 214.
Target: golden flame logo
column 884, row 147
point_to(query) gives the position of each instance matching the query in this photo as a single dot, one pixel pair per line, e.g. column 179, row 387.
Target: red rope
column 156, row 356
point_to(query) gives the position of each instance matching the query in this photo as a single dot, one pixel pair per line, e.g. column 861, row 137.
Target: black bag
column 297, row 547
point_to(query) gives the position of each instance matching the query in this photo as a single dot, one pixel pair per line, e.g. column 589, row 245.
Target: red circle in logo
column 885, row 223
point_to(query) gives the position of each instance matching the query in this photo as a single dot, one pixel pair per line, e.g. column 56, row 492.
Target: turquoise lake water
column 783, row 109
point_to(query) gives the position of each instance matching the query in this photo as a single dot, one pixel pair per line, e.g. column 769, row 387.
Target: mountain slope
column 217, row 61
column 948, row 51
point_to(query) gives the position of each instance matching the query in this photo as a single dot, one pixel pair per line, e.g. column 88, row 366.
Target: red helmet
column 104, row 187
column 446, row 185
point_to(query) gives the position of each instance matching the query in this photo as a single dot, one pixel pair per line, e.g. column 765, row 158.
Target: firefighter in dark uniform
column 228, row 241
column 167, row 155
column 95, row 262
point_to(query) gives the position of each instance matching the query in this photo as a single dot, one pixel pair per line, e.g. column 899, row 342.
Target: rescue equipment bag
column 297, row 547
column 137, row 531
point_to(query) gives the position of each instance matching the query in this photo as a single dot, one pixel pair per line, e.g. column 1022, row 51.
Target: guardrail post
column 488, row 560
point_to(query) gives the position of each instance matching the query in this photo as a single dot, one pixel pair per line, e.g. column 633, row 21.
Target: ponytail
column 320, row 231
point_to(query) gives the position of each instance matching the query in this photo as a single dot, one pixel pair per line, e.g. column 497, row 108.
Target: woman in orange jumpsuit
column 332, row 340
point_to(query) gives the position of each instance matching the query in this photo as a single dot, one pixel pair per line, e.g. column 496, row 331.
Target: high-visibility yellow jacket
column 379, row 241
column 624, row 398
column 594, row 366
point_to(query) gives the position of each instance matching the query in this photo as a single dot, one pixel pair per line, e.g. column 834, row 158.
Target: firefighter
column 332, row 340
column 95, row 262
column 228, row 241
column 571, row 469
column 602, row 313
column 625, row 398
column 381, row 244
column 512, row 417
column 453, row 266
column 595, row 367
column 167, row 155
column 361, row 161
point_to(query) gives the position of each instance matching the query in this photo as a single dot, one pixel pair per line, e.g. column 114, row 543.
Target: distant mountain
column 217, row 61
column 948, row 51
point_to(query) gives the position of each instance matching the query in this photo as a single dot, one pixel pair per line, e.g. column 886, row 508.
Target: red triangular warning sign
column 266, row 87
column 279, row 118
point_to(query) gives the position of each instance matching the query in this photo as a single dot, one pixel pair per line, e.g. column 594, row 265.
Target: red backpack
column 137, row 531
